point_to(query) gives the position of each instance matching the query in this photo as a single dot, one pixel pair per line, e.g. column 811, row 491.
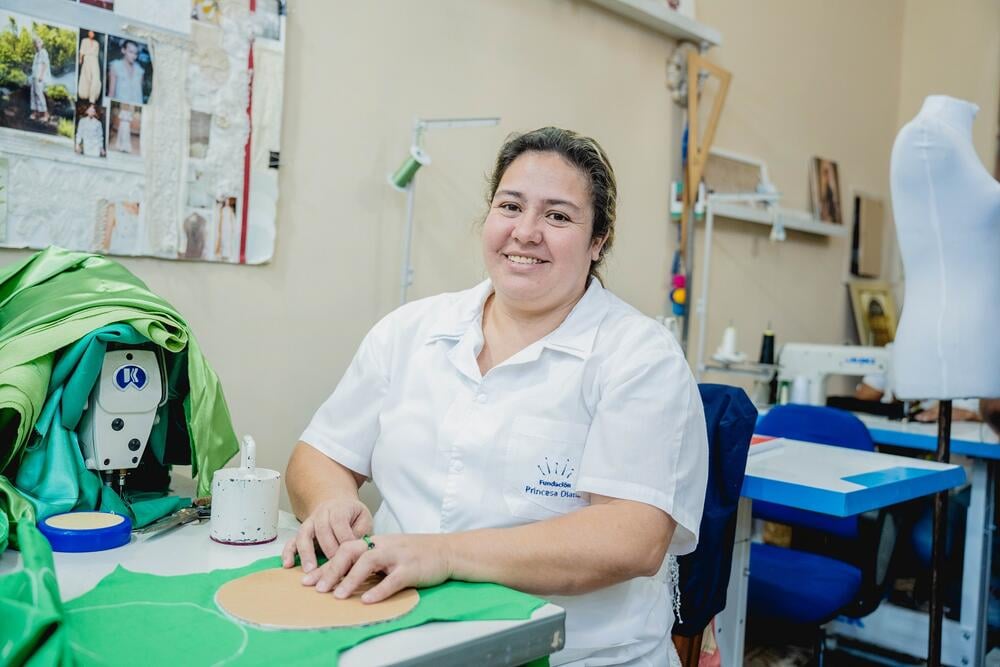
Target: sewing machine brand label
column 130, row 374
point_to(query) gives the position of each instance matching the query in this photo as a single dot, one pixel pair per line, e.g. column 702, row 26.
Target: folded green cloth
column 57, row 297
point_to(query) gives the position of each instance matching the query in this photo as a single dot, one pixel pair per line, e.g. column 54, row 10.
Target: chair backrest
column 704, row 573
column 823, row 425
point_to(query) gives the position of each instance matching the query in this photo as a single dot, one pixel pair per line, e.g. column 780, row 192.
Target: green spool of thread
column 404, row 175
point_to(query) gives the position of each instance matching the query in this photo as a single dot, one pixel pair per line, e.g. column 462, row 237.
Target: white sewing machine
column 121, row 412
column 815, row 362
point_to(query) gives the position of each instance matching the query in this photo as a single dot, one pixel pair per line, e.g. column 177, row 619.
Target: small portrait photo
column 228, row 230
column 116, row 231
column 90, row 65
column 200, row 134
column 130, row 70
column 200, row 186
column 90, row 135
column 100, row 4
column 874, row 312
column 4, row 179
column 268, row 17
column 126, row 128
column 205, row 11
column 37, row 75
column 825, row 190
column 194, row 234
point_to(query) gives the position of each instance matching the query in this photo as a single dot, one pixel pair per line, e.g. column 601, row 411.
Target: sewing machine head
column 121, row 411
column 816, row 362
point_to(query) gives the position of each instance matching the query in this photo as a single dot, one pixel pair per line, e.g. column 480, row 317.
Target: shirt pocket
column 541, row 465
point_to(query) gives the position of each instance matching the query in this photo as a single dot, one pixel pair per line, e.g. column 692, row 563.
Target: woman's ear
column 596, row 247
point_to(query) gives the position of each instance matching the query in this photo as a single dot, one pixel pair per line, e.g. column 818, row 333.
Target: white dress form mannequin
column 947, row 211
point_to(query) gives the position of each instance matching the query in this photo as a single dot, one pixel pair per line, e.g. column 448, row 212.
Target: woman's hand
column 957, row 415
column 331, row 524
column 407, row 561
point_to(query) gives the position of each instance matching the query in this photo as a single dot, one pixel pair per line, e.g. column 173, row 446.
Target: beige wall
column 951, row 48
column 809, row 78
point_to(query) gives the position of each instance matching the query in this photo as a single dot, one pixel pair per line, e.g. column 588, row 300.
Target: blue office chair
column 836, row 565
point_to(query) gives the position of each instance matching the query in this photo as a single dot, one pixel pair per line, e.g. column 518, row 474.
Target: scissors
column 179, row 518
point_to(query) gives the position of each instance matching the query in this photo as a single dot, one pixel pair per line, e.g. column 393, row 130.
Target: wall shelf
column 787, row 218
column 657, row 15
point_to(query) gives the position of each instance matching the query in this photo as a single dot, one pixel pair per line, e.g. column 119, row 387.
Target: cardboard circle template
column 275, row 598
column 85, row 520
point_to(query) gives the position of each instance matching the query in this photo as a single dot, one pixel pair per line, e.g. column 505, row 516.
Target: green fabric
column 18, row 509
column 22, row 392
column 31, row 631
column 57, row 297
column 146, row 510
column 174, row 620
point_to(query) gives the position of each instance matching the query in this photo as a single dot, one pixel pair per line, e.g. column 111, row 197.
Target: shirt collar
column 574, row 336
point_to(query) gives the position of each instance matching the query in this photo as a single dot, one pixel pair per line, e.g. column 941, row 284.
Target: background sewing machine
column 121, row 412
column 813, row 364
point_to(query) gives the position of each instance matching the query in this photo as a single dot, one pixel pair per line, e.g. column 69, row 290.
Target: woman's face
column 90, row 34
column 536, row 238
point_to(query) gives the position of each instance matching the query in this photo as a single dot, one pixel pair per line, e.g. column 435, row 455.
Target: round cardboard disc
column 276, row 598
column 84, row 520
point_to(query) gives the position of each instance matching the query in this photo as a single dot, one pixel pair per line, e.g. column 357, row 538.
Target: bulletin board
column 143, row 128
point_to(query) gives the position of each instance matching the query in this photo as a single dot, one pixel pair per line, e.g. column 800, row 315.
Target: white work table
column 820, row 478
column 904, row 630
column 188, row 550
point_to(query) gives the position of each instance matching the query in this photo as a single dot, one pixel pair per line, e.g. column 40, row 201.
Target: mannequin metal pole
column 938, row 543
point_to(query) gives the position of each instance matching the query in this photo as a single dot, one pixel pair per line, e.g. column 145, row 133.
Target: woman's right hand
column 331, row 523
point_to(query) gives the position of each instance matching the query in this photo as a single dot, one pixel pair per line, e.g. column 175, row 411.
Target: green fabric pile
column 58, row 312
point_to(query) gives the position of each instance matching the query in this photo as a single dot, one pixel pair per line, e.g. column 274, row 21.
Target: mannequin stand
column 938, row 541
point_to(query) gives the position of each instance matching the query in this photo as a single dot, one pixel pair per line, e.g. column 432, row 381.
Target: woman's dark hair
column 583, row 153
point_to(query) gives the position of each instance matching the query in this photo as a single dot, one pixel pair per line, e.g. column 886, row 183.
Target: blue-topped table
column 832, row 480
column 903, row 630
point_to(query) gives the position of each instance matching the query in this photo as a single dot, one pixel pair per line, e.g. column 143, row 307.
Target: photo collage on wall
column 79, row 115
column 74, row 82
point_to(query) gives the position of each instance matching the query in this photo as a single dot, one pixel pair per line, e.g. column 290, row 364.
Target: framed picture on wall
column 874, row 312
column 866, row 239
column 824, row 190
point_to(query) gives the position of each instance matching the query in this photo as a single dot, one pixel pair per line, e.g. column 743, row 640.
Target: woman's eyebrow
column 511, row 193
column 561, row 202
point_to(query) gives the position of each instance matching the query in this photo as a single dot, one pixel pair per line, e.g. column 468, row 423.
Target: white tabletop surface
column 969, row 438
column 841, row 481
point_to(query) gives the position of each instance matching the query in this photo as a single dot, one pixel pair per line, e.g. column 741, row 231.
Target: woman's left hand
column 407, row 561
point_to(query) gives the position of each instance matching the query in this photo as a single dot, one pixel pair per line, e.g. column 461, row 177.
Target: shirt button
column 481, row 398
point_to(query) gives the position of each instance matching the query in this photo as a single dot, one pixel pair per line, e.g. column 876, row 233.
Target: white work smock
column 604, row 404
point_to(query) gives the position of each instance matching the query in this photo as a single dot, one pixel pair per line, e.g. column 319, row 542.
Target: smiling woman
column 533, row 431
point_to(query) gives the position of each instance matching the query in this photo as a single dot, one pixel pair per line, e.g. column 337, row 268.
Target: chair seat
column 798, row 587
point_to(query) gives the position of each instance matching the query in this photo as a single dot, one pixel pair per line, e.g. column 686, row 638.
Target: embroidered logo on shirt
column 554, row 480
